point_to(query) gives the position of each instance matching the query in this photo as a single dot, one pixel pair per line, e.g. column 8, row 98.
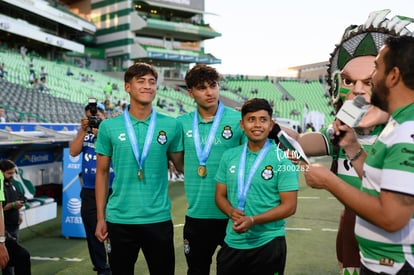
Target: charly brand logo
column 121, row 137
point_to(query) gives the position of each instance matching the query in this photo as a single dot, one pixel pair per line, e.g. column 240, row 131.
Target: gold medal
column 140, row 174
column 202, row 171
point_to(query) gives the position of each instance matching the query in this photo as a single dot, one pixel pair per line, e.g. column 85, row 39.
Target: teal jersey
column 274, row 175
column 345, row 169
column 389, row 166
column 200, row 191
column 135, row 201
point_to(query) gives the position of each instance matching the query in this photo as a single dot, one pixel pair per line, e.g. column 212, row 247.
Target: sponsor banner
column 35, row 158
column 29, row 127
column 72, row 225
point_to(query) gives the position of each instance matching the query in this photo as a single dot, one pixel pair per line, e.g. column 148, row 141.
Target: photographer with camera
column 85, row 142
column 14, row 201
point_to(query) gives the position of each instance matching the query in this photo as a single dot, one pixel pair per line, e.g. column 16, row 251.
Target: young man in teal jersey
column 385, row 203
column 139, row 142
column 257, row 189
column 207, row 132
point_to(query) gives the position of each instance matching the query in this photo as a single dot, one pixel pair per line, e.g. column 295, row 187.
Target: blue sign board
column 72, row 225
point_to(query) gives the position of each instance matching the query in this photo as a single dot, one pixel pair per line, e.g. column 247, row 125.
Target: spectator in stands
column 170, row 107
column 42, row 86
column 19, row 257
column 32, row 78
column 108, row 105
column 69, row 72
column 115, row 101
column 115, row 87
column 309, row 128
column 351, row 66
column 36, row 84
column 84, row 143
column 139, row 143
column 3, row 71
column 31, row 67
column 108, row 90
column 208, row 131
column 294, row 112
column 181, row 109
column 123, row 101
column 161, row 103
column 42, row 73
column 255, row 237
column 2, row 117
column 23, row 51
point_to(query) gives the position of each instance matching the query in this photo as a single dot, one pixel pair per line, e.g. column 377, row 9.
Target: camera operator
column 85, row 142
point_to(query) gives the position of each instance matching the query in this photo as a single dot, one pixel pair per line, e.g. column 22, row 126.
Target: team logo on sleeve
column 227, row 132
column 162, row 137
column 267, row 173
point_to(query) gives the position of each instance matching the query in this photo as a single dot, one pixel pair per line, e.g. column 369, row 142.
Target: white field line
column 55, row 259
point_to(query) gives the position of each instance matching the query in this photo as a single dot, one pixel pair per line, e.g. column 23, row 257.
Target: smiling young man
column 140, row 142
column 257, row 189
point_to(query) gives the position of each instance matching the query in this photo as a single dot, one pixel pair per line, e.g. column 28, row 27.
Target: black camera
column 93, row 119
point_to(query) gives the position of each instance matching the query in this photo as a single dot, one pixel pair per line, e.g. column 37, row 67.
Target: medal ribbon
column 202, row 155
column 133, row 139
column 243, row 187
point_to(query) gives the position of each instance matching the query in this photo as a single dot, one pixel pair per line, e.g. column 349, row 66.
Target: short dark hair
column 256, row 104
column 6, row 165
column 200, row 74
column 140, row 69
column 401, row 55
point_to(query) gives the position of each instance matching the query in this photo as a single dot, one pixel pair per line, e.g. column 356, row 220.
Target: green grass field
column 311, row 235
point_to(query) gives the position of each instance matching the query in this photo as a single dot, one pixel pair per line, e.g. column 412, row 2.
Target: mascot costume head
column 362, row 40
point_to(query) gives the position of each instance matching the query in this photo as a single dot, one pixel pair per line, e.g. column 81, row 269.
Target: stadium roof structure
column 172, row 7
column 166, row 33
column 16, row 137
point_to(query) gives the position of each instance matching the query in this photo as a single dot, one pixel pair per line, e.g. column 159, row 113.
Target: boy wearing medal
column 207, row 133
column 257, row 189
column 140, row 142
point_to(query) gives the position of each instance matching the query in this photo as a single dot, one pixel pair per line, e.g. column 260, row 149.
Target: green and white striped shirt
column 389, row 166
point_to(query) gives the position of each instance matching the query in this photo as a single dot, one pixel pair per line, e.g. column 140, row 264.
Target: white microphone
column 352, row 111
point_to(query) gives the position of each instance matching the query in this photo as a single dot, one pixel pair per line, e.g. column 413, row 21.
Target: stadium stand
column 292, row 99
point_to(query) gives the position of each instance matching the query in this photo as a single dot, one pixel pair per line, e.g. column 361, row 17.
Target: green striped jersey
column 389, row 166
